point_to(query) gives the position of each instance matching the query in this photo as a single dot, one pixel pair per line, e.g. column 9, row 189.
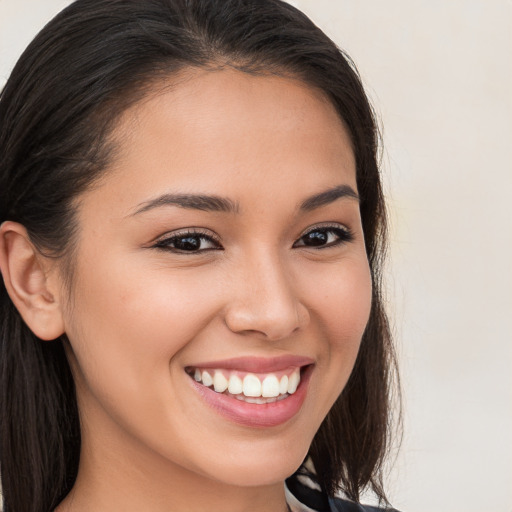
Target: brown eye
column 324, row 237
column 188, row 242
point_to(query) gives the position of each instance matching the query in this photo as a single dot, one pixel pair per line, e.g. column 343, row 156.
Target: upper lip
column 257, row 364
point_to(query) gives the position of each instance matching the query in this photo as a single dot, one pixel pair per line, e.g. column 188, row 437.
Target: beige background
column 440, row 76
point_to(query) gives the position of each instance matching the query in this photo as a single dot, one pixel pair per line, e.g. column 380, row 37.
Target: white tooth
column 252, row 385
column 235, row 385
column 207, row 379
column 270, row 386
column 283, row 385
column 220, row 383
column 254, row 400
column 197, row 375
column 293, row 381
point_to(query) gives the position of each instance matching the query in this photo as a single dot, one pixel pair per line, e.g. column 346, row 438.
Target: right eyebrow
column 190, row 201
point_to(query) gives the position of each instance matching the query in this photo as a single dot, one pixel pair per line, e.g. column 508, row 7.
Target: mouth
column 254, row 392
column 253, row 388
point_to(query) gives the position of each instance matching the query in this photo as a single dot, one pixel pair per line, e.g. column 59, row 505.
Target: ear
column 31, row 281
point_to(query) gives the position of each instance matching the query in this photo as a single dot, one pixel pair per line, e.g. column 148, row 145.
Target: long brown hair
column 91, row 62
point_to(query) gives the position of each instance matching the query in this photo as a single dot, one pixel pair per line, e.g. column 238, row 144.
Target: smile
column 253, row 392
column 258, row 388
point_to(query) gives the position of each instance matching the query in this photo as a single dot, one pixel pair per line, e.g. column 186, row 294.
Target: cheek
column 135, row 320
column 342, row 300
column 342, row 303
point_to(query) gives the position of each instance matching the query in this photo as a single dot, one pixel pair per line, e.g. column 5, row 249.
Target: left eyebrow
column 328, row 197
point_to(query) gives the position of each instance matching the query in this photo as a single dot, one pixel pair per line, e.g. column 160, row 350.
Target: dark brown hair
column 89, row 64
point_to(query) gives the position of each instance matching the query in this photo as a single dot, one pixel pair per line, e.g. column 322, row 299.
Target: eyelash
column 343, row 234
column 167, row 242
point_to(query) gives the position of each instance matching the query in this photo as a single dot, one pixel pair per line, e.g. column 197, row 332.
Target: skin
column 137, row 315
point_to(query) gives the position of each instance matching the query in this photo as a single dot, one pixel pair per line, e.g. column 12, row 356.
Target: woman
column 192, row 227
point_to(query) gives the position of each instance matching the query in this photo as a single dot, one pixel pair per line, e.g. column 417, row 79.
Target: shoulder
column 305, row 498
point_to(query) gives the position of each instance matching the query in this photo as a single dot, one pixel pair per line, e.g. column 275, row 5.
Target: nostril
column 273, row 323
column 264, row 301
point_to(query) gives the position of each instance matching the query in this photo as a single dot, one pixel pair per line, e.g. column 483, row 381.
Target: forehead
column 208, row 131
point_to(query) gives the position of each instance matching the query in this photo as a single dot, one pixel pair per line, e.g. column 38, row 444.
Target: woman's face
column 223, row 249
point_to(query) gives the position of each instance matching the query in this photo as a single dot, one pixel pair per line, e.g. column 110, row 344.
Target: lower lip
column 256, row 415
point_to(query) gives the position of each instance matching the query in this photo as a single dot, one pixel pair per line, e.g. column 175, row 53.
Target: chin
column 261, row 465
column 260, row 473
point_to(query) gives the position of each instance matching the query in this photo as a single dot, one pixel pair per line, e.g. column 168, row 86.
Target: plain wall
column 440, row 76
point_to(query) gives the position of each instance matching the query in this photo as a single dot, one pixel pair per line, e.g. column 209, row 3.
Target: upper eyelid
column 325, row 225
column 188, row 231
column 206, row 232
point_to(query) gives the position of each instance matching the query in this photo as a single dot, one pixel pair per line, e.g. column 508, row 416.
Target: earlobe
column 26, row 274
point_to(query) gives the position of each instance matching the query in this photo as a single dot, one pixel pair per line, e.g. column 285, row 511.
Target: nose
column 263, row 300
